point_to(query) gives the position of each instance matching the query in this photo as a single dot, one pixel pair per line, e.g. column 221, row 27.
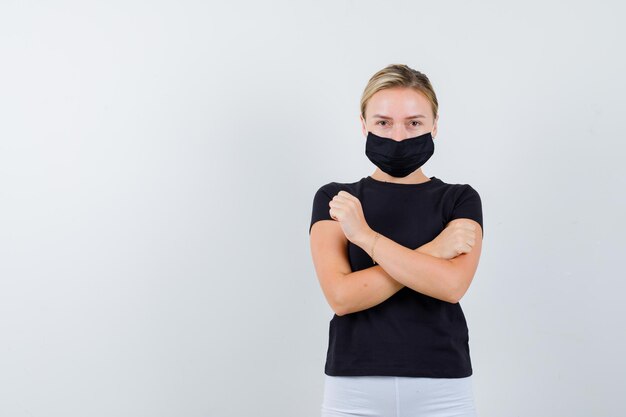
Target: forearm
column 421, row 272
column 369, row 287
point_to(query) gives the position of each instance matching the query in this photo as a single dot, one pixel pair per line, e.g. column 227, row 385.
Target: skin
column 399, row 104
column 442, row 268
column 389, row 113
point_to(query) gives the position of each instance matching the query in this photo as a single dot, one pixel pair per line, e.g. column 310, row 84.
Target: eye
column 415, row 121
column 381, row 121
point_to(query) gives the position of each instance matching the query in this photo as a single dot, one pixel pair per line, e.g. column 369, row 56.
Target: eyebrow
column 381, row 116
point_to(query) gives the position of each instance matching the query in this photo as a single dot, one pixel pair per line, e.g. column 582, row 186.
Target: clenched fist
column 457, row 238
column 347, row 210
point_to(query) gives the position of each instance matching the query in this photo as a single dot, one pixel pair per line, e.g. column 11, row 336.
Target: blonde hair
column 399, row 75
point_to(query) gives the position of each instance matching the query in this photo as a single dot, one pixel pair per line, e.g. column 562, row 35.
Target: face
column 399, row 113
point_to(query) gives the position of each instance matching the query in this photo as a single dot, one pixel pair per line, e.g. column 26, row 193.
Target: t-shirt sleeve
column 468, row 205
column 320, row 206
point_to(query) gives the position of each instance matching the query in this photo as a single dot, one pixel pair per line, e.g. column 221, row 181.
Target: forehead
column 398, row 102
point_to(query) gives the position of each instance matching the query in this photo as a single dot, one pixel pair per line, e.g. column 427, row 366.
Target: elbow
column 338, row 310
column 339, row 307
column 342, row 305
column 336, row 305
column 453, row 297
column 457, row 291
column 339, row 302
column 332, row 289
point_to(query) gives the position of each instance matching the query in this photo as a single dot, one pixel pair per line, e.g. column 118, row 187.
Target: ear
column 435, row 127
column 363, row 125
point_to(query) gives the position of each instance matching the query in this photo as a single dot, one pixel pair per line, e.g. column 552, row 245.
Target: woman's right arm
column 347, row 291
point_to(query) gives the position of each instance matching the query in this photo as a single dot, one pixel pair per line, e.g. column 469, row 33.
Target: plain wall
column 158, row 162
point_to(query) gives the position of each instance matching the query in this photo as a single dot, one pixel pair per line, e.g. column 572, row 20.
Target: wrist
column 368, row 244
column 365, row 240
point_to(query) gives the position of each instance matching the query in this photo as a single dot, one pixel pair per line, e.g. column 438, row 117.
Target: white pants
column 396, row 396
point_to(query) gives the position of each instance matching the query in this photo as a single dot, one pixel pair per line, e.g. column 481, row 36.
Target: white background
column 158, row 162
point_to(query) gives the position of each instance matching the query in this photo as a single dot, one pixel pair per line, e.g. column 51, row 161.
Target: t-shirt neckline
column 385, row 184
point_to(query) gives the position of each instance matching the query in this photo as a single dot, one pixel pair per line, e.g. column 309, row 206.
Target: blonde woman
column 394, row 253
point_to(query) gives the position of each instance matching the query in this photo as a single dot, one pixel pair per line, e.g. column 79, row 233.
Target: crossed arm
column 398, row 266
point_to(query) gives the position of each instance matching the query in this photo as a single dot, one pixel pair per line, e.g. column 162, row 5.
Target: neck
column 416, row 177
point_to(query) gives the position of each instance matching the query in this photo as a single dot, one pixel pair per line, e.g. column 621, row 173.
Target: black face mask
column 399, row 159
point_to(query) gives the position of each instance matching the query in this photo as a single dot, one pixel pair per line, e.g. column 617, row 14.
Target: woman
column 394, row 253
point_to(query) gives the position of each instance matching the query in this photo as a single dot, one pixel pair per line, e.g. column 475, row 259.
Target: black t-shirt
column 410, row 333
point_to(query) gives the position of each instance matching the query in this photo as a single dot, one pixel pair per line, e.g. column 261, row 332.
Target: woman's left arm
column 444, row 279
